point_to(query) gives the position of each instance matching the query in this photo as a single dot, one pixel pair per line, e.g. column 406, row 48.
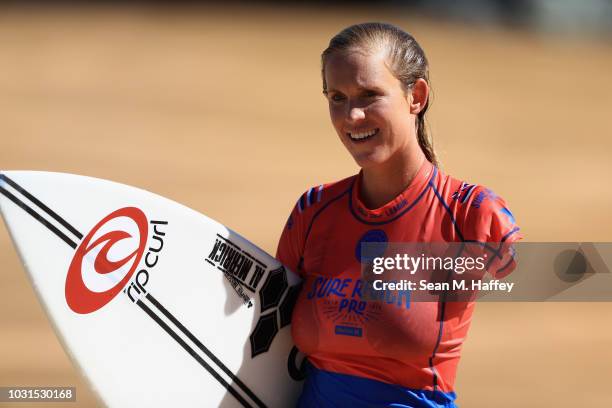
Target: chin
column 371, row 160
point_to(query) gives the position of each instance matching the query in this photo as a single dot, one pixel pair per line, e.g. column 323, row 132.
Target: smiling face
column 369, row 109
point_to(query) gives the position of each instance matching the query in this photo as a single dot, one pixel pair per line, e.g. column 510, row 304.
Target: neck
column 381, row 184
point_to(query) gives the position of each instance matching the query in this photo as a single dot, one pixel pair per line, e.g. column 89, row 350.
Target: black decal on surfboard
column 41, row 205
column 295, row 372
column 243, row 251
column 240, row 268
column 243, row 271
column 273, row 289
column 286, row 308
column 38, row 217
column 235, row 284
column 270, row 296
column 259, row 273
column 263, row 334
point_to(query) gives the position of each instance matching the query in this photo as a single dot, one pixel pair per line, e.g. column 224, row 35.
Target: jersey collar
column 396, row 207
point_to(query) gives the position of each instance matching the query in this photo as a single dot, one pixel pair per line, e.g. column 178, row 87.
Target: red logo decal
column 78, row 296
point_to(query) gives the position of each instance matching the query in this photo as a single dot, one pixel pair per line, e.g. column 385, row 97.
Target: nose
column 356, row 114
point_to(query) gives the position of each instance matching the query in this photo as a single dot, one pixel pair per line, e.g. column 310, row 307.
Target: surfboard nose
column 3, row 191
column 5, row 178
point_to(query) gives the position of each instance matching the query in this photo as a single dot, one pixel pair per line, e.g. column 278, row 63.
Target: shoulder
column 321, row 195
column 316, row 198
column 307, row 208
column 480, row 213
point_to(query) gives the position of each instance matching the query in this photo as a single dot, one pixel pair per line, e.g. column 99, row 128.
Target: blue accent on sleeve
column 309, row 196
column 509, row 215
column 505, row 237
column 468, row 194
column 323, row 389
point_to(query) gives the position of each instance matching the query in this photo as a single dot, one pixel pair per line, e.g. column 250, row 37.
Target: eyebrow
column 359, row 87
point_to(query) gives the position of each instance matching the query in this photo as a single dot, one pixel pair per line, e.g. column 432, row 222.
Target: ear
column 418, row 96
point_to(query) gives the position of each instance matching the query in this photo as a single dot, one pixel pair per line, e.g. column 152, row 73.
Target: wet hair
column 405, row 57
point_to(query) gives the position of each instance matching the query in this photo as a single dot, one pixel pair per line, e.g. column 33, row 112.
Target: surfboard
column 157, row 304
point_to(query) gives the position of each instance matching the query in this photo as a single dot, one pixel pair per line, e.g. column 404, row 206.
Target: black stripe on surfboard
column 41, row 205
column 206, row 351
column 38, row 217
column 192, row 352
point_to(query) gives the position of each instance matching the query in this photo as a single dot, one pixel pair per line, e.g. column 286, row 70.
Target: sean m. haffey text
column 411, row 264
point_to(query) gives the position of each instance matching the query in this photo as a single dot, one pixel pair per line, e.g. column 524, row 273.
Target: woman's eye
column 337, row 98
column 370, row 94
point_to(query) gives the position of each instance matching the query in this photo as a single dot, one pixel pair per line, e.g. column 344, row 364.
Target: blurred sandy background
column 221, row 109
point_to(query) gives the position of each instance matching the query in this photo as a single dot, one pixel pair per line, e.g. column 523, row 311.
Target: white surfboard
column 158, row 305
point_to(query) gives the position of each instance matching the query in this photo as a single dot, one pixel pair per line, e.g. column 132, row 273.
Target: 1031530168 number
column 42, row 394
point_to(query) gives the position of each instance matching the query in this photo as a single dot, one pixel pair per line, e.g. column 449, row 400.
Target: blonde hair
column 406, row 60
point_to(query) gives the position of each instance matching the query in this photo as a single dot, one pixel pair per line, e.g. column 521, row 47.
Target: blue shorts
column 326, row 389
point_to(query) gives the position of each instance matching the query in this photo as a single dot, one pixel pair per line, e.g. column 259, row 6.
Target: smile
column 362, row 136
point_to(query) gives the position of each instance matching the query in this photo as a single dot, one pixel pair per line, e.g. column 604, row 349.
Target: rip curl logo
column 91, row 285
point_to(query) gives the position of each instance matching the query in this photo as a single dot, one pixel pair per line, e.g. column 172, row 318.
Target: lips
column 363, row 135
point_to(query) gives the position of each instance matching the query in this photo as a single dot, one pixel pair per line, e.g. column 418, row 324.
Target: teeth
column 363, row 135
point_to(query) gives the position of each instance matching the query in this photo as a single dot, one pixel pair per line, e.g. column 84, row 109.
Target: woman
column 364, row 353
